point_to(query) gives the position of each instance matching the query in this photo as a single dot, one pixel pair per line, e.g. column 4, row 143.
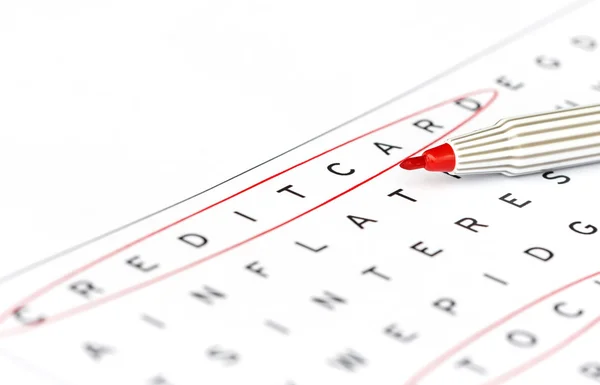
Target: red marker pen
column 519, row 146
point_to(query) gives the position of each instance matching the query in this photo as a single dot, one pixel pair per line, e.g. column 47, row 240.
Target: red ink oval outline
column 433, row 365
column 78, row 309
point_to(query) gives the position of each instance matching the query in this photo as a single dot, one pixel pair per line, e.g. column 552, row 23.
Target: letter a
column 386, row 147
column 360, row 221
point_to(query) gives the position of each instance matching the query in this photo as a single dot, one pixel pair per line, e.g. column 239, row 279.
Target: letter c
column 559, row 305
column 330, row 168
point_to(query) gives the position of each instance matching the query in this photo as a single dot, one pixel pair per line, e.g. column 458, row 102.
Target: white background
column 110, row 110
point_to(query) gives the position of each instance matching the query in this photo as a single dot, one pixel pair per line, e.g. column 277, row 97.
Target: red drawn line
column 548, row 353
column 433, row 365
column 142, row 285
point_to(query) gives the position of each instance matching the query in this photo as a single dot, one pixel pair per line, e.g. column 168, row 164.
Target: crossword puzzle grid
column 336, row 266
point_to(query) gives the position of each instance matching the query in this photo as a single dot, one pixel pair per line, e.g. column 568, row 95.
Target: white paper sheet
column 330, row 264
column 113, row 110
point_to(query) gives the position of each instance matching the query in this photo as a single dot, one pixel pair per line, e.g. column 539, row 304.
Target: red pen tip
column 413, row 163
column 440, row 158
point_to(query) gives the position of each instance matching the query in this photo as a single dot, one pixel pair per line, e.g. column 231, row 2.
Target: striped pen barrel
column 520, row 145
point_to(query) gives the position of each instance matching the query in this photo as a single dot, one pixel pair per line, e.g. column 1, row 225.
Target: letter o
column 521, row 338
column 591, row 369
column 546, row 62
column 586, row 42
